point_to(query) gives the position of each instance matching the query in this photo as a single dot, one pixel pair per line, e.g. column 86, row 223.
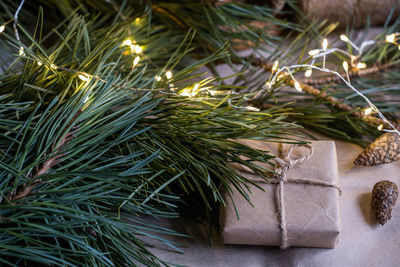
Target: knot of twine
column 286, row 161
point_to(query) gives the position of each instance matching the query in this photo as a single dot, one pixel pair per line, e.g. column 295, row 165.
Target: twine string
column 285, row 162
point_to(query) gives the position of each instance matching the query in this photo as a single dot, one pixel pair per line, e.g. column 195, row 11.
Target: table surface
column 362, row 242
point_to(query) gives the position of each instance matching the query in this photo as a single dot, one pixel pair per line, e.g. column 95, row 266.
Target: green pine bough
column 113, row 111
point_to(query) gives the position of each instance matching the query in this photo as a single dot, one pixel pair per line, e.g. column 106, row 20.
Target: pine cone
column 384, row 196
column 385, row 149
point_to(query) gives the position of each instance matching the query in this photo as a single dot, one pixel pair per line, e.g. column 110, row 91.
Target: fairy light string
column 137, row 52
column 276, row 71
column 354, row 61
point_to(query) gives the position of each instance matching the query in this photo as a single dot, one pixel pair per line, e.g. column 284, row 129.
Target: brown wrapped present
column 299, row 207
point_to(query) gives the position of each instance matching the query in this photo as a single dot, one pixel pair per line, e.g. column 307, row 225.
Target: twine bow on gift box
column 285, row 161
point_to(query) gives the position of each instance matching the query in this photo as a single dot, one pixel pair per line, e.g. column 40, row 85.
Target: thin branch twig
column 323, row 94
column 26, row 189
column 169, row 15
column 352, row 74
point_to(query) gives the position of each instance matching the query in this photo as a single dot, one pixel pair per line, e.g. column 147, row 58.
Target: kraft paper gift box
column 311, row 216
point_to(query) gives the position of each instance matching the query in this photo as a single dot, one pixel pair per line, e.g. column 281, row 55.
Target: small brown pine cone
column 384, row 196
column 385, row 149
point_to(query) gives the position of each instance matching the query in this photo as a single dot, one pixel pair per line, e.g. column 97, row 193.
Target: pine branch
column 138, row 152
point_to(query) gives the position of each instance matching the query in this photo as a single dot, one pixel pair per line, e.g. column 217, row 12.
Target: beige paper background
column 362, row 242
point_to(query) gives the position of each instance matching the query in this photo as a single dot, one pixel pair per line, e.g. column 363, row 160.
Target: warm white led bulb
column 21, row 51
column 361, row 65
column 83, row 77
column 313, row 52
column 391, row 38
column 168, row 74
column 325, row 44
column 188, row 92
column 297, row 86
column 368, row 111
column 53, row 66
column 275, row 66
column 127, row 42
column 39, row 63
column 158, row 78
column 345, row 66
column 2, row 28
column 138, row 49
column 185, row 92
column 252, row 108
column 136, row 61
column 268, row 85
column 344, row 38
column 380, row 127
column 308, row 73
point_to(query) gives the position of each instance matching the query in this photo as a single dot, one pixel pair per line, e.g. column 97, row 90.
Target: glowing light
column 53, row 66
column 137, row 19
column 215, row 92
column 39, row 63
column 127, row 42
column 83, row 77
column 168, row 74
column 138, row 49
column 308, row 73
column 186, row 92
column 361, row 65
column 21, row 51
column 282, row 75
column 275, row 66
column 313, row 52
column 344, row 38
column 136, row 61
column 380, row 127
column 368, row 111
column 345, row 66
column 189, row 92
column 325, row 44
column 391, row 38
column 252, row 108
column 158, row 78
column 297, row 86
column 2, row 28
column 86, row 99
column 268, row 85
